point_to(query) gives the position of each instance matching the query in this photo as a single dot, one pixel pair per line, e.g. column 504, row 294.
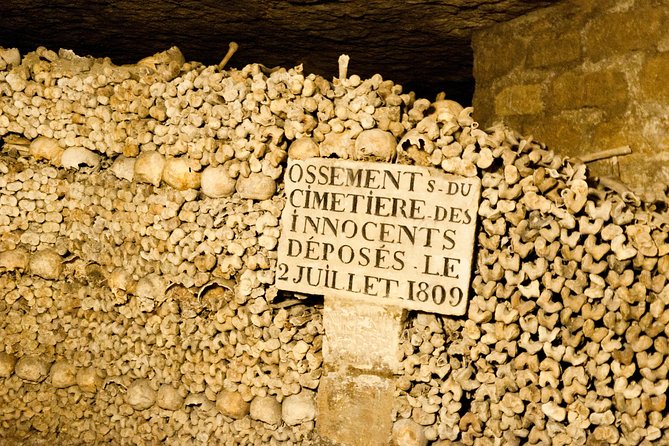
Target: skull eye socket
column 420, row 144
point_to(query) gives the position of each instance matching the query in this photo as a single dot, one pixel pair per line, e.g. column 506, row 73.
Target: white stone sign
column 385, row 233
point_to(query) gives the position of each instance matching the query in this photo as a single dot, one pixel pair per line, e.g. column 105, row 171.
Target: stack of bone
column 136, row 309
column 565, row 338
column 139, row 217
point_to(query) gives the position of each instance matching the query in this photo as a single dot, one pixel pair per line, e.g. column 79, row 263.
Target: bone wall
column 583, row 77
column 139, row 213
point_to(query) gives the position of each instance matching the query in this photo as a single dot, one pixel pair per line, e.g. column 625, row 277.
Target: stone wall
column 583, row 77
column 139, row 218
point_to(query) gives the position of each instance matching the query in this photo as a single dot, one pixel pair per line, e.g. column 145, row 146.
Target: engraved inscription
column 386, row 233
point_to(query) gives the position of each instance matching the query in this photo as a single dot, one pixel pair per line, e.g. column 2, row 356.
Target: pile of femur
column 139, row 219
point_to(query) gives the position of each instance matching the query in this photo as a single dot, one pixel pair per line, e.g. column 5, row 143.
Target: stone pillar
column 360, row 359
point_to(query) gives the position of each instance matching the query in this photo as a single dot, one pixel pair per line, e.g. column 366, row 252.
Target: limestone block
column 349, row 406
column 519, row 100
column 566, row 132
column 653, row 78
column 496, row 54
column 576, row 89
column 644, row 171
column 614, row 33
column 360, row 335
column 553, row 49
column 483, row 102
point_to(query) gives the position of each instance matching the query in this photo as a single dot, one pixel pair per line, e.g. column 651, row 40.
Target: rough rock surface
column 424, row 45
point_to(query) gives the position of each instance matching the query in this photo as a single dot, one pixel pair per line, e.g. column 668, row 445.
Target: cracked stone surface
column 422, row 44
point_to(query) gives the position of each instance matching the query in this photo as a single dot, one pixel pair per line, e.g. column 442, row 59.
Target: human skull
column 73, row 157
column 163, row 66
column 375, row 145
column 124, row 168
column 149, row 167
column 303, row 148
column 182, row 173
column 445, row 110
column 216, row 182
column 46, row 148
column 9, row 57
column 416, row 148
column 337, row 145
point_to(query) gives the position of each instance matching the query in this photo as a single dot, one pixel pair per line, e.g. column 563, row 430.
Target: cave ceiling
column 422, row 44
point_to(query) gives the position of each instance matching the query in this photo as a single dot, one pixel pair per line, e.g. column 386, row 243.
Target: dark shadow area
column 423, row 45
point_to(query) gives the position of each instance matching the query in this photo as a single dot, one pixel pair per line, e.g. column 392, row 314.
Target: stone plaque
column 385, row 233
